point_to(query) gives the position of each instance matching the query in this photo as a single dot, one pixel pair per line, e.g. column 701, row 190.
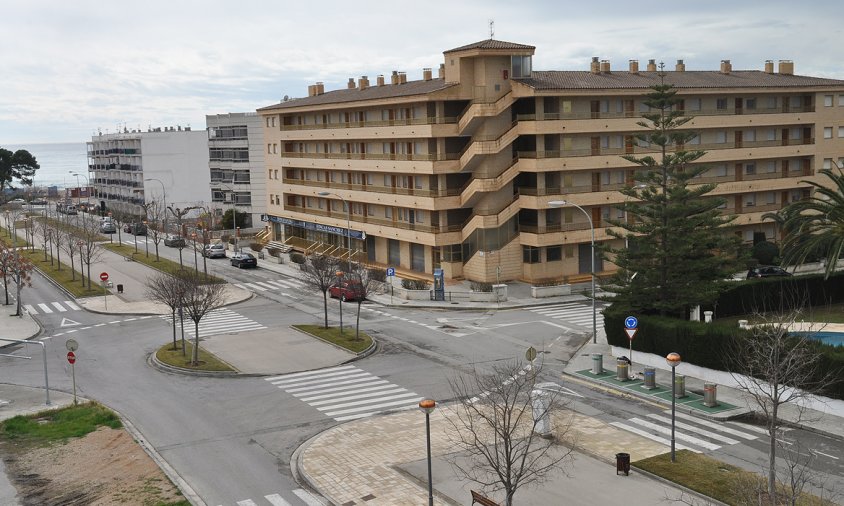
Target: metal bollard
column 680, row 387
column 621, row 370
column 650, row 378
column 710, row 395
column 597, row 363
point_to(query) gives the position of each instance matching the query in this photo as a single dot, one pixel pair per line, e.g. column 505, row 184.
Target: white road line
column 59, row 307
column 266, row 285
column 697, row 430
column 305, row 379
column 240, row 286
column 276, row 500
column 358, row 394
column 308, row 373
column 45, row 308
column 100, row 325
column 308, row 498
column 247, row 502
column 355, row 378
column 824, row 454
column 715, row 426
column 30, row 309
column 678, row 435
column 339, row 391
column 253, row 286
column 320, row 380
column 357, row 401
column 648, row 435
column 409, row 401
column 759, row 430
column 72, row 305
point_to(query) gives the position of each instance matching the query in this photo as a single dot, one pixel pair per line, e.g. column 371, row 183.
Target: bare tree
column 6, row 260
column 199, row 299
column 21, row 269
column 155, row 223
column 320, row 273
column 119, row 217
column 70, row 243
column 89, row 246
column 363, row 284
column 180, row 214
column 494, row 426
column 45, row 233
column 168, row 289
column 777, row 367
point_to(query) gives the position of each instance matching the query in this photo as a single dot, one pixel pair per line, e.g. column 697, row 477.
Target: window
column 750, row 200
column 771, row 166
column 695, row 140
column 749, row 135
column 388, row 213
column 771, row 102
column 693, row 104
column 840, row 100
column 269, row 149
column 827, row 100
column 276, row 174
column 841, row 132
column 521, row 66
column 569, row 251
column 771, row 134
column 530, row 255
column 771, row 197
column 827, row 132
column 719, row 170
column 721, row 104
column 720, row 137
column 553, row 253
column 827, row 163
column 750, row 104
column 750, row 169
column 275, row 148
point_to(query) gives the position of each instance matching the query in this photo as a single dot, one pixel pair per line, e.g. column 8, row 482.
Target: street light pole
column 563, row 203
column 428, row 406
column 673, row 360
column 348, row 221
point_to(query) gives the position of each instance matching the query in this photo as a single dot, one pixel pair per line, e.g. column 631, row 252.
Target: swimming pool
column 831, row 338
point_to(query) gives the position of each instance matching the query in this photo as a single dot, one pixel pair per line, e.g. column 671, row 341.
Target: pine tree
column 677, row 244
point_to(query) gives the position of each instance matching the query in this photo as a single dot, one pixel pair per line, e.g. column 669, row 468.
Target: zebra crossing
column 571, row 312
column 277, row 500
column 276, row 284
column 346, row 392
column 219, row 321
column 691, row 433
column 51, row 307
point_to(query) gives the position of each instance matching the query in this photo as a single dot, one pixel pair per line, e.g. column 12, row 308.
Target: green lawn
column 61, row 424
column 162, row 264
column 345, row 340
column 64, row 277
column 207, row 361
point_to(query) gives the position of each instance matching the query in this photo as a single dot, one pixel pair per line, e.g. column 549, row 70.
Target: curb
column 97, row 311
column 161, row 366
column 299, row 474
column 656, row 477
column 363, row 354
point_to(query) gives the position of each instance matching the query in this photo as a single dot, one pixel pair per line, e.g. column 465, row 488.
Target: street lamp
column 163, row 197
column 195, row 259
column 348, row 220
column 79, row 190
column 673, row 360
column 563, row 203
column 427, row 406
column 146, row 231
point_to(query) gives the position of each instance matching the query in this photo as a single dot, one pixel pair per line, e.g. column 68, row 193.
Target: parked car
column 38, row 202
column 767, row 272
column 108, row 227
column 127, row 227
column 174, row 241
column 244, row 260
column 17, row 201
column 217, row 250
column 347, row 290
column 138, row 229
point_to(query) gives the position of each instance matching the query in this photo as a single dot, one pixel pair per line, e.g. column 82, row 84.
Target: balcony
column 358, row 219
column 419, row 192
column 379, row 123
column 373, row 156
column 634, row 114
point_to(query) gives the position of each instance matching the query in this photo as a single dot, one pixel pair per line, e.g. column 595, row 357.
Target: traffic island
column 175, row 358
column 345, row 339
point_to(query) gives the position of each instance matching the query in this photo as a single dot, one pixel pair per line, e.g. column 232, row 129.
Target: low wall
column 540, row 292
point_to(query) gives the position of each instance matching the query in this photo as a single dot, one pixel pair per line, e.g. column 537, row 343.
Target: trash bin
column 622, row 367
column 119, row 288
column 622, row 464
column 710, row 395
column 650, row 378
column 679, row 386
column 597, row 363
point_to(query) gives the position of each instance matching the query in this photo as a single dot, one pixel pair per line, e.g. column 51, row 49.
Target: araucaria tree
column 320, row 272
column 676, row 240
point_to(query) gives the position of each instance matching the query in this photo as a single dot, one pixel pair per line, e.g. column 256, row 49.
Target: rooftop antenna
column 491, row 28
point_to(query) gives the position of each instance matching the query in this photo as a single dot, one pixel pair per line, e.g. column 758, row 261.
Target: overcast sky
column 69, row 68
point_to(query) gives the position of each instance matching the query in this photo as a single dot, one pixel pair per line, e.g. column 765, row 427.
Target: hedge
column 777, row 293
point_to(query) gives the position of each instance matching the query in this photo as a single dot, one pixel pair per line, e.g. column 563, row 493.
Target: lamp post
column 79, row 190
column 673, row 360
column 195, row 258
column 163, row 198
column 146, row 242
column 348, row 220
column 427, row 406
column 563, row 203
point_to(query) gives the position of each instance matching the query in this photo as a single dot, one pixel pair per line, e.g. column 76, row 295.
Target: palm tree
column 815, row 226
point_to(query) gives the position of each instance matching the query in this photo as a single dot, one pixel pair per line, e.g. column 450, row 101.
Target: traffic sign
column 391, row 271
column 530, row 354
column 630, row 333
column 631, row 322
column 71, row 357
column 103, row 276
column 71, row 345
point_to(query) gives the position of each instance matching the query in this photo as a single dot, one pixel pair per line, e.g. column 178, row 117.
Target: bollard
column 650, row 378
column 680, row 386
column 621, row 369
column 707, row 316
column 710, row 395
column 597, row 363
column 742, row 324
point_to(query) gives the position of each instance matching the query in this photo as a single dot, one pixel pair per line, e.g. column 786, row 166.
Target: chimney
column 787, row 67
column 351, row 84
column 680, row 67
column 769, row 66
column 320, row 88
column 651, row 66
column 605, row 66
column 402, row 78
column 363, row 82
column 394, row 79
column 311, row 90
column 726, row 67
column 380, row 80
column 595, row 66
column 427, row 74
column 634, row 66
column 441, row 73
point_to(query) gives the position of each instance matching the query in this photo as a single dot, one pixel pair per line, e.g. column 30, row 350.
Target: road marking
column 372, row 392
column 311, row 376
column 753, row 428
column 341, row 391
column 30, row 309
column 266, row 285
column 715, row 426
column 295, row 386
column 697, row 430
column 357, row 400
column 247, row 502
column 59, row 307
column 678, row 435
column 824, row 454
column 45, row 308
column 276, row 500
column 72, row 306
column 382, row 405
column 308, row 373
column 648, row 435
column 356, row 378
column 308, row 498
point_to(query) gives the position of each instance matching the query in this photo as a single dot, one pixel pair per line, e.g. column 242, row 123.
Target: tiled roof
column 490, row 44
column 409, row 88
column 574, row 80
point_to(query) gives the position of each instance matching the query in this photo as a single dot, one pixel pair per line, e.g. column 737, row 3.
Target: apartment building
column 457, row 171
column 130, row 168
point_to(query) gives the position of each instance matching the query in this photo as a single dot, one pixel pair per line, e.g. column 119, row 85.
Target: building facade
column 236, row 163
column 127, row 170
column 457, row 171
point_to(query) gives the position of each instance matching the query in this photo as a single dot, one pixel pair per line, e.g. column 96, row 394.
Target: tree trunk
column 6, row 287
column 357, row 322
column 196, row 343
column 156, row 251
column 173, row 316
column 325, row 306
column 18, row 310
column 58, row 257
column 772, row 455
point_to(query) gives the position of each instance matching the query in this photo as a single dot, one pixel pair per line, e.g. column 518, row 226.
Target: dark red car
column 347, row 290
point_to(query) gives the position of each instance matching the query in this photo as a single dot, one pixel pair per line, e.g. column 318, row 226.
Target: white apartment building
column 130, row 168
column 236, row 163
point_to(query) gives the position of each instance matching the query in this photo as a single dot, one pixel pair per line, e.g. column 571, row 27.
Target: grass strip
column 162, row 264
column 345, row 340
column 60, row 424
column 207, row 360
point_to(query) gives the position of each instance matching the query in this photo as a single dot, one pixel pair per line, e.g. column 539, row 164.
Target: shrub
column 415, row 284
column 274, row 252
column 256, row 246
column 225, row 238
column 297, row 258
column 548, row 282
column 745, row 297
column 481, row 286
column 766, row 252
column 376, row 274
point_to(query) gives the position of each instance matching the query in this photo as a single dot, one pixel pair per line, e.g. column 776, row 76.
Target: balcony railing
column 635, row 114
column 373, row 156
column 554, row 227
column 714, row 146
column 358, row 219
column 419, row 192
column 376, row 123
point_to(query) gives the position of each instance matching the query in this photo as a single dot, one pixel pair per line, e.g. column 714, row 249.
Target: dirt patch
column 103, row 468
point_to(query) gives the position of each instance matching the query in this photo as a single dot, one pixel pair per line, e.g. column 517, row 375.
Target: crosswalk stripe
column 59, row 307
column 358, row 409
column 648, row 435
column 319, row 383
column 716, row 426
column 246, row 502
column 677, row 435
column 341, row 390
column 358, row 401
column 307, row 497
column 305, row 379
column 253, row 286
column 45, row 308
column 308, row 373
column 265, row 285
column 375, row 392
column 242, row 287
column 696, row 430
column 30, row 309
column 378, row 386
column 276, row 500
column 356, row 378
column 72, row 305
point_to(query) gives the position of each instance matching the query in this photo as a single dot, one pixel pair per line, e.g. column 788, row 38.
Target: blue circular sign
column 631, row 322
column 391, row 271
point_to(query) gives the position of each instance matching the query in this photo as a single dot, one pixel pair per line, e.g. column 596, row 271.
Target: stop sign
column 71, row 357
column 104, row 276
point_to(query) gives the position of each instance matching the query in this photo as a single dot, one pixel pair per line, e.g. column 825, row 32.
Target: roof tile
column 409, row 88
column 490, row 44
column 577, row 80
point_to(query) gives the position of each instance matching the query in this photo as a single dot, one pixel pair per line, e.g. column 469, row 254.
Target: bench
column 481, row 499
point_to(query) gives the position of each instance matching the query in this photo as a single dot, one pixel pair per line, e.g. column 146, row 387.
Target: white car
column 18, row 201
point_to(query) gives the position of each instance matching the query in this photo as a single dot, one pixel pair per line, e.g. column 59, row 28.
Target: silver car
column 217, row 250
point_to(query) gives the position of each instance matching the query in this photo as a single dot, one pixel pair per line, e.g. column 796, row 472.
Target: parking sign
column 391, row 271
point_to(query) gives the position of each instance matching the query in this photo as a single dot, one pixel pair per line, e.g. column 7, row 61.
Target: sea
column 57, row 161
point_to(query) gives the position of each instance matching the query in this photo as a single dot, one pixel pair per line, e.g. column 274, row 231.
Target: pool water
column 831, row 338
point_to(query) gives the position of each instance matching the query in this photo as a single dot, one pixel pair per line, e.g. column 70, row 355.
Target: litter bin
column 597, row 363
column 622, row 367
column 679, row 386
column 119, row 288
column 710, row 395
column 622, row 464
column 650, row 378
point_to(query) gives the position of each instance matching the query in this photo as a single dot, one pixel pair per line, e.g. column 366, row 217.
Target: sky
column 70, row 69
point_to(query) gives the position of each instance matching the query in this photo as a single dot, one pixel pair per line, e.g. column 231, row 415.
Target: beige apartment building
column 456, row 171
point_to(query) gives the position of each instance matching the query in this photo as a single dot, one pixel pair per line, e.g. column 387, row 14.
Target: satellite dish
column 286, row 98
